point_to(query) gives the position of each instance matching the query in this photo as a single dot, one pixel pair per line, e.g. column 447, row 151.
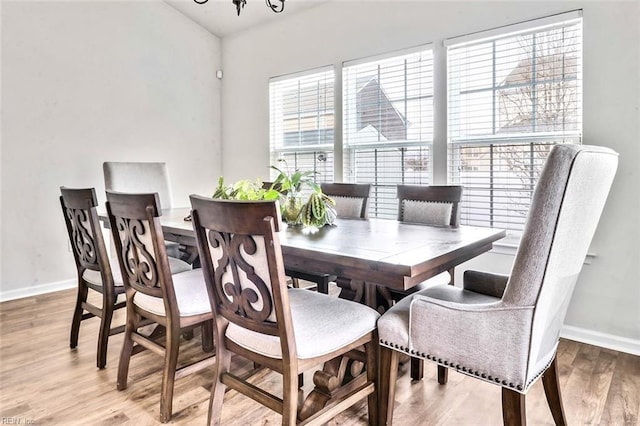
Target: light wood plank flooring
column 43, row 382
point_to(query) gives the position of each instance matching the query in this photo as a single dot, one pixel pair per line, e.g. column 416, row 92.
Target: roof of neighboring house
column 374, row 109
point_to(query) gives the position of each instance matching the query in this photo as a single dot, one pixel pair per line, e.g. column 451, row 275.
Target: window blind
column 388, row 124
column 302, row 122
column 511, row 97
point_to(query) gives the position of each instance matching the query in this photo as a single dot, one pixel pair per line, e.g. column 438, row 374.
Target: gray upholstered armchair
column 501, row 329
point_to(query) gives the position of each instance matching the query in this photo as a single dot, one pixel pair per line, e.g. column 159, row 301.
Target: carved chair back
column 429, row 205
column 352, row 199
column 243, row 266
column 139, row 241
column 85, row 234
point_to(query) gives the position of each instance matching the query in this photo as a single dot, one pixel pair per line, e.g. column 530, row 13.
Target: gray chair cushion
column 393, row 326
column 94, row 277
column 321, row 324
column 426, row 212
column 191, row 295
column 348, row 207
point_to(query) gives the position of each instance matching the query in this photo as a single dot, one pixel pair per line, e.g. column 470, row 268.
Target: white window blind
column 511, row 97
column 388, row 124
column 302, row 117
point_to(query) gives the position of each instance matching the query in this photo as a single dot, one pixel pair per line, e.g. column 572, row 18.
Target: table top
column 388, row 252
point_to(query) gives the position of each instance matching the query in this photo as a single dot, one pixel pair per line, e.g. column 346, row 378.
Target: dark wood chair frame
column 127, row 212
column 436, row 194
column 90, row 253
column 223, row 219
column 355, row 190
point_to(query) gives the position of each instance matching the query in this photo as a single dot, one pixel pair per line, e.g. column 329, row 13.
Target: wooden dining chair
column 352, row 202
column 177, row 302
column 258, row 318
column 436, row 206
column 504, row 329
column 79, row 207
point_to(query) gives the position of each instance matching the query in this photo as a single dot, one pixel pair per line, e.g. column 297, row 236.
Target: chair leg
column 289, row 397
column 169, row 373
column 223, row 360
column 77, row 315
column 371, row 349
column 127, row 350
column 207, row 336
column 387, row 384
column 513, row 408
column 551, row 382
column 417, row 368
column 105, row 329
column 295, row 283
column 443, row 375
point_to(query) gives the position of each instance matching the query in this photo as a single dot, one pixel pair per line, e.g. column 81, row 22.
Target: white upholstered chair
column 504, row 330
column 257, row 317
column 177, row 302
column 142, row 177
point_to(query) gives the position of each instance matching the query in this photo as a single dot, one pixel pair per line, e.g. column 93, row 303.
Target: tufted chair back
column 567, row 203
column 429, row 205
column 352, row 199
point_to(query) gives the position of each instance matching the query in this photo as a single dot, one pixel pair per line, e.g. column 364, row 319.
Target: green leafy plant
column 245, row 190
column 295, row 182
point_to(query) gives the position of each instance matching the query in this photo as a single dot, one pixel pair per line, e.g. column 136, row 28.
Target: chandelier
column 277, row 8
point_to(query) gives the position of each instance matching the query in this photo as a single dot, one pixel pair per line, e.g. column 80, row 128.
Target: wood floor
column 43, row 382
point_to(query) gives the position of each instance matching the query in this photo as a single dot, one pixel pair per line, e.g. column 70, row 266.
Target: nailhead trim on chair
column 459, row 367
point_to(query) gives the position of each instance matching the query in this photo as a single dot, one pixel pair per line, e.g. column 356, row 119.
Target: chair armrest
column 485, row 283
column 491, row 339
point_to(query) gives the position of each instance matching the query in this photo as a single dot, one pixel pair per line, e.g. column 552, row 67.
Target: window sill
column 509, row 246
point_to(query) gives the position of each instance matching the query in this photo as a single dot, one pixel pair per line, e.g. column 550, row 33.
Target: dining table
column 369, row 257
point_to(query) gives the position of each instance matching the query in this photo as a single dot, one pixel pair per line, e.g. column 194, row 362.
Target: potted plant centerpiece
column 301, row 199
column 318, row 209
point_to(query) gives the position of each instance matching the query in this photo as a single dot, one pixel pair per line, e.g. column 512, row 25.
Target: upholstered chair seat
column 191, row 296
column 396, row 324
column 321, row 324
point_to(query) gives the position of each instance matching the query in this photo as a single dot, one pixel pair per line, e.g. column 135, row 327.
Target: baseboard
column 597, row 338
column 36, row 290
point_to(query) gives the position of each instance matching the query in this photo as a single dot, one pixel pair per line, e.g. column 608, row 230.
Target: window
column 302, row 117
column 388, row 124
column 511, row 97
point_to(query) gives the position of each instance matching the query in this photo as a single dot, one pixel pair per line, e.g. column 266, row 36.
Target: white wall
column 607, row 298
column 87, row 82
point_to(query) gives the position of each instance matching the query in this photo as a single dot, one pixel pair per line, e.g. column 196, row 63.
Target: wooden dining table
column 368, row 257
column 379, row 252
